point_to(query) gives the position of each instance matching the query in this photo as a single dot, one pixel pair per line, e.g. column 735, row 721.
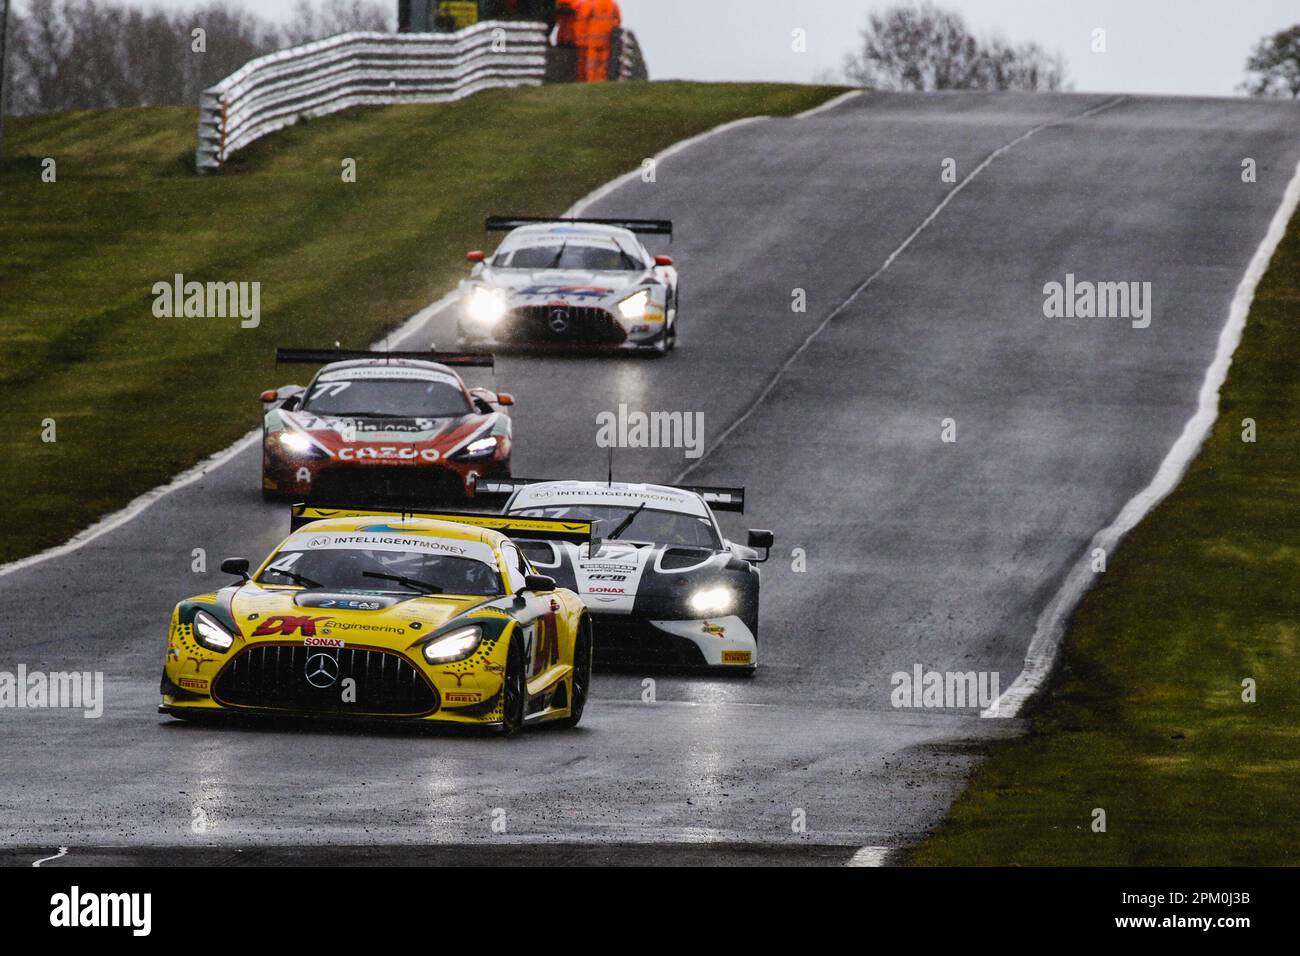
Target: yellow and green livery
column 387, row 615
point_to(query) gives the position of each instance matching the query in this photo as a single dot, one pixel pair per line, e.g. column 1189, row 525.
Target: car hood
column 342, row 619
column 610, row 581
column 335, row 433
column 545, row 284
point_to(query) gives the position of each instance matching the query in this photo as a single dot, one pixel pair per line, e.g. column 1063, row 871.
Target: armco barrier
column 363, row 69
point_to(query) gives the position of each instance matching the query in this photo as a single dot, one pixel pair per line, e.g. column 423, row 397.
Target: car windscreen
column 339, row 569
column 388, row 398
column 568, row 255
column 658, row 527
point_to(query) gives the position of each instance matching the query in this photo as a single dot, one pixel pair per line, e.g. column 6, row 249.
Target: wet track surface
column 914, row 551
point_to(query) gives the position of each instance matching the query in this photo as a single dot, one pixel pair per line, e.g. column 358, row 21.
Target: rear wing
column 651, row 227
column 717, row 497
column 325, row 356
column 528, row 529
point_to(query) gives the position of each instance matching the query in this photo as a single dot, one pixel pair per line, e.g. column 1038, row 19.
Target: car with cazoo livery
column 571, row 283
column 387, row 615
column 382, row 427
column 662, row 582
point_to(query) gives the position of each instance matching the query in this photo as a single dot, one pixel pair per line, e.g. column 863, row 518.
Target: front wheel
column 581, row 683
column 670, row 320
column 666, row 341
column 514, row 690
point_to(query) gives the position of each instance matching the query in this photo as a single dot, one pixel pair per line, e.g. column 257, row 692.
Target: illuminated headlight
column 479, row 448
column 712, row 600
column 294, row 442
column 485, row 306
column 453, row 646
column 634, row 306
column 211, row 634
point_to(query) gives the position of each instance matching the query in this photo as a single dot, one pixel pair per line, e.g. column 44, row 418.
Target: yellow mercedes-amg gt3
column 381, row 614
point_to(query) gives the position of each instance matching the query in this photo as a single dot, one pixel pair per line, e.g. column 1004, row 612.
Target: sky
column 1193, row 47
column 1152, row 46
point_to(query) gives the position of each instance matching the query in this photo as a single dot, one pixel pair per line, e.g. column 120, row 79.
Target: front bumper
column 562, row 325
column 711, row 642
column 363, row 681
column 367, row 483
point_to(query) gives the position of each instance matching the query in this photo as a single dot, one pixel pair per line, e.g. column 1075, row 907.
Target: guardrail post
column 212, row 122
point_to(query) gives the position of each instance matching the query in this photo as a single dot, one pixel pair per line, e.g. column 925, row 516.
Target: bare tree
column 6, row 81
column 315, row 21
column 1024, row 67
column 231, row 37
column 922, row 47
column 76, row 54
column 1274, row 65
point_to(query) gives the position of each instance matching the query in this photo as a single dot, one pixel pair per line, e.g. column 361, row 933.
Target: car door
column 536, row 614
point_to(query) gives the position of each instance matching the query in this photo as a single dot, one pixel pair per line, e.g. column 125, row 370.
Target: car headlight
column 295, row 442
column 634, row 306
column 454, row 645
column 485, row 305
column 479, row 448
column 211, row 634
column 712, row 600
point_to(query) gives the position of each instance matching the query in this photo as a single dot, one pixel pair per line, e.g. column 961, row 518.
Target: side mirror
column 235, row 566
column 478, row 255
column 539, row 583
column 292, row 402
column 663, row 260
column 270, row 395
column 505, row 398
column 761, row 540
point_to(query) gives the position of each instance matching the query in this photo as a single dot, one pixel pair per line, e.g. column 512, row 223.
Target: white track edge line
column 63, row 851
column 871, row 856
column 602, row 191
column 1040, row 659
column 133, row 509
column 830, row 104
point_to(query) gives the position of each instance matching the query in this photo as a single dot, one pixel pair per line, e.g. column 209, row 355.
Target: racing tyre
column 672, row 326
column 514, row 692
column 666, row 342
column 581, row 676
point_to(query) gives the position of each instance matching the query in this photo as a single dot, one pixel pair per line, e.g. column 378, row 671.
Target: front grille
column 387, row 484
column 275, row 676
column 581, row 324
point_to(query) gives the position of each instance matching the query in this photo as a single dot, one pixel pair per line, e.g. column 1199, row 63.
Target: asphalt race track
column 916, row 551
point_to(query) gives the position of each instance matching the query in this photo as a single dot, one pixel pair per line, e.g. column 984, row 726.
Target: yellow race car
column 383, row 614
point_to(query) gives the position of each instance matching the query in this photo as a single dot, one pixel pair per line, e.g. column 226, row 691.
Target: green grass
column 136, row 398
column 1146, row 718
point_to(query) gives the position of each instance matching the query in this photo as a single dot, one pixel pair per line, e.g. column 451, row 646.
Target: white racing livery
column 571, row 283
column 661, row 582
